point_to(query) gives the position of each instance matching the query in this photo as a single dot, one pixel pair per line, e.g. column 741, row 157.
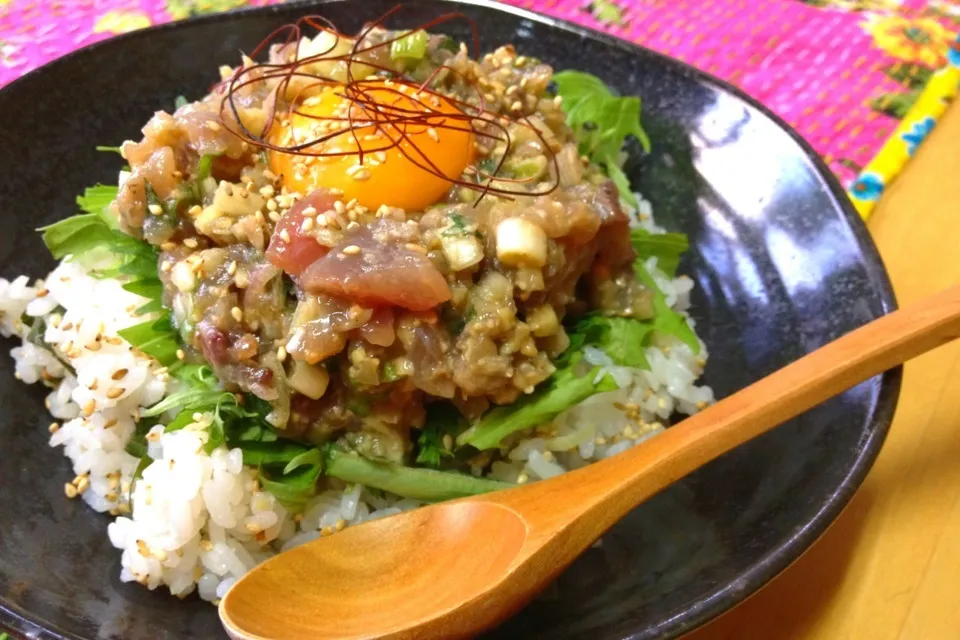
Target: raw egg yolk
column 388, row 174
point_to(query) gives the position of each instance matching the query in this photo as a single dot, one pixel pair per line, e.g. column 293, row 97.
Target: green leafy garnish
column 412, row 46
column 38, row 327
column 137, row 445
column 142, row 465
column 292, row 489
column 442, row 420
column 311, row 457
column 563, row 390
column 623, row 339
column 602, row 122
column 203, row 394
column 389, row 373
column 156, row 338
column 280, row 451
column 666, row 320
column 108, row 149
column 95, row 233
column 458, row 225
column 667, row 248
column 426, row 485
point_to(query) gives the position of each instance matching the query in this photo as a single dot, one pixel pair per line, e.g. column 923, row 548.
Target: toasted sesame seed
column 281, row 353
column 353, row 225
column 362, row 174
column 433, row 134
column 42, row 293
column 237, row 314
column 232, row 268
column 523, row 477
column 83, row 484
column 92, row 346
column 309, row 212
column 416, row 248
column 93, row 385
column 267, row 191
column 116, row 392
column 269, row 175
column 306, row 225
column 191, row 242
column 600, row 440
column 54, row 427
column 110, row 423
column 155, row 209
column 274, row 216
column 285, row 235
column 181, row 355
column 70, row 490
column 241, row 279
column 381, row 156
column 272, row 205
column 166, row 267
column 351, row 250
column 89, row 408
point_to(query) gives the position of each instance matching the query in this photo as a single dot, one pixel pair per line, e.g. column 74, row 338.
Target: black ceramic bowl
column 782, row 266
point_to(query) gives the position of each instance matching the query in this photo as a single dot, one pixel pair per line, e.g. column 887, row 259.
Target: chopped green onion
column 412, row 46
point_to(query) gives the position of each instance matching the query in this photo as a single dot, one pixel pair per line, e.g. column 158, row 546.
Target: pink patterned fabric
column 842, row 72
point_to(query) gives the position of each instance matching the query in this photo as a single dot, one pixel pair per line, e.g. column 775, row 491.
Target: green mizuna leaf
column 623, row 339
column 602, row 123
column 563, row 390
column 667, row 248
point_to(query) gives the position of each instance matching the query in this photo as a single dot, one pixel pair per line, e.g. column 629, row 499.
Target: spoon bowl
column 431, row 551
column 455, row 569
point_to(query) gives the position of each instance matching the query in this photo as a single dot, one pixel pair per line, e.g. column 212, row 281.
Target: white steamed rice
column 200, row 522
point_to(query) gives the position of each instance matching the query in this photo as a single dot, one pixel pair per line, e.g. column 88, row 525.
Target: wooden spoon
column 454, row 569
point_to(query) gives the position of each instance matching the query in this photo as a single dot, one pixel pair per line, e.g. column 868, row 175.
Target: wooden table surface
column 888, row 567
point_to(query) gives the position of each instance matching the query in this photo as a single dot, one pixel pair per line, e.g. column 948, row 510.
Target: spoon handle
column 588, row 501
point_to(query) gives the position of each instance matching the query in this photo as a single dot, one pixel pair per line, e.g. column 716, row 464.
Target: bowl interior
column 781, row 264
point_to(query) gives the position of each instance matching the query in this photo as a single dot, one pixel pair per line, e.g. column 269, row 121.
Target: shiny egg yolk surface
column 388, row 176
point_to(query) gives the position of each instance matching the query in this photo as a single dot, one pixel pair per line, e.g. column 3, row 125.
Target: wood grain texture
column 888, row 567
column 543, row 526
